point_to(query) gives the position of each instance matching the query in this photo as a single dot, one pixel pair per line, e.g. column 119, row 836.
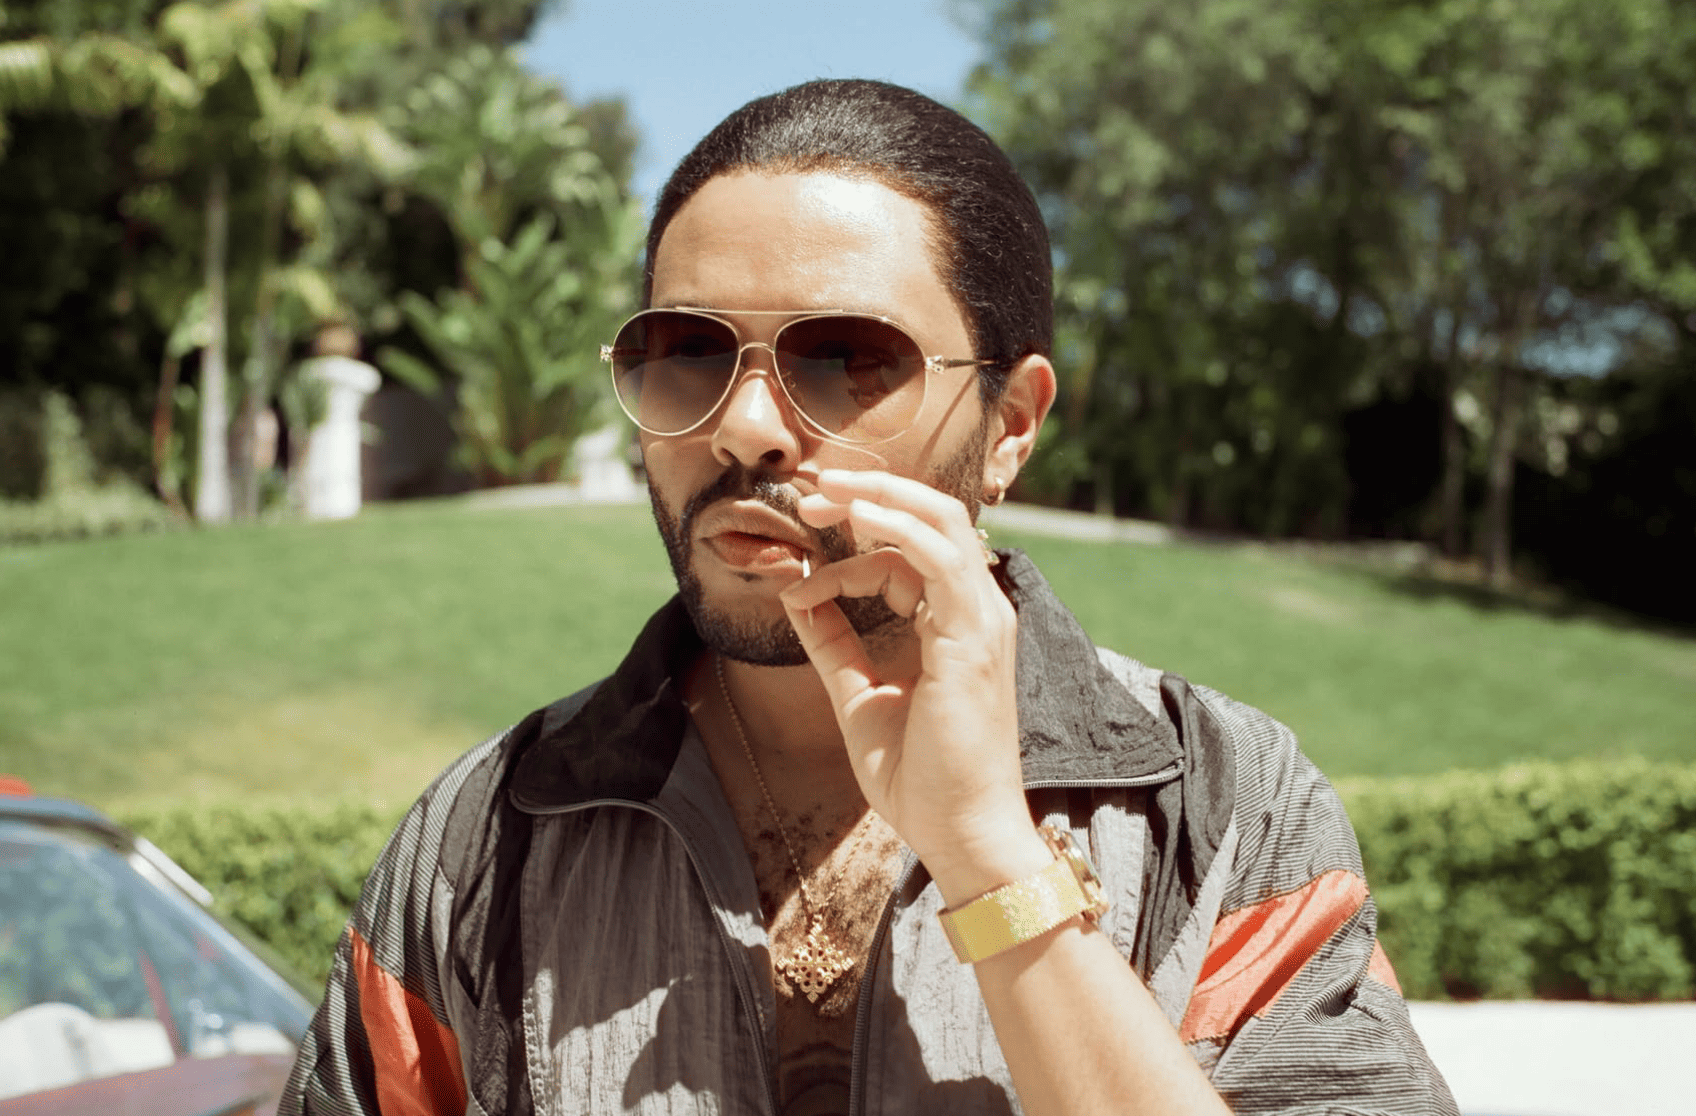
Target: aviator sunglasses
column 854, row 378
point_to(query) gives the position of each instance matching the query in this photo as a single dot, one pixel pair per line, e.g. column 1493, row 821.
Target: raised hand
column 933, row 738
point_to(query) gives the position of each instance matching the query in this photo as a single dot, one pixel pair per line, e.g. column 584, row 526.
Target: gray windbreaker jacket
column 567, row 922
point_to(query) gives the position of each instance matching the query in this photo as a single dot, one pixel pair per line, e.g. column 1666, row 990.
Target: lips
column 753, row 537
column 753, row 551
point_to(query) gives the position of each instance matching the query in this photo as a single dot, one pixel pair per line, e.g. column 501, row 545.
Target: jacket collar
column 1077, row 724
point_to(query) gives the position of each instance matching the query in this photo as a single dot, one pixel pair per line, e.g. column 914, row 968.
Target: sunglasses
column 854, row 378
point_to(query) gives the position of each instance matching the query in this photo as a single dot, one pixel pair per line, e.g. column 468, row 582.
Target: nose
column 758, row 426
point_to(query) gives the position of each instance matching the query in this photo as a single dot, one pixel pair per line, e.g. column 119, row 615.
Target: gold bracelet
column 1014, row 913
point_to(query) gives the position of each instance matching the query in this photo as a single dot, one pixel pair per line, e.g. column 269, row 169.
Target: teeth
column 806, row 567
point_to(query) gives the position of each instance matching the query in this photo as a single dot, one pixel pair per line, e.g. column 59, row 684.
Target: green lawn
column 354, row 659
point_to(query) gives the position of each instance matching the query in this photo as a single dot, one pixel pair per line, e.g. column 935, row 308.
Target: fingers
column 836, row 653
column 934, row 553
column 936, row 508
column 879, row 573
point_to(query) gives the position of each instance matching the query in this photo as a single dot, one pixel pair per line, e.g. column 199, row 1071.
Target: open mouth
column 744, row 550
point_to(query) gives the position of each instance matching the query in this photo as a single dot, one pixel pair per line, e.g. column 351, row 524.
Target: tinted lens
column 860, row 379
column 670, row 368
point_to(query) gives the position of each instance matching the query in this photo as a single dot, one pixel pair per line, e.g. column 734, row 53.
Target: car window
column 220, row 1002
column 75, row 996
column 106, row 968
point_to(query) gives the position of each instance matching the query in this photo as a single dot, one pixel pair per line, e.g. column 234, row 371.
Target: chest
column 651, row 981
column 822, row 930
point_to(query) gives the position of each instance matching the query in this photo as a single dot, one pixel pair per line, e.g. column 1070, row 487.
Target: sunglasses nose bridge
column 742, row 353
column 767, row 369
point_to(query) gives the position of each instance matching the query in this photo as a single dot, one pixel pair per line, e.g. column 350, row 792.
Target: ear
column 1018, row 417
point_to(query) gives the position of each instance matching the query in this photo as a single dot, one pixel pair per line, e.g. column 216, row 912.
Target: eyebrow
column 789, row 313
column 800, row 312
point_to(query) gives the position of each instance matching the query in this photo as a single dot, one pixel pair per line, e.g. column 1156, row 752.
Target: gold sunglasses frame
column 932, row 364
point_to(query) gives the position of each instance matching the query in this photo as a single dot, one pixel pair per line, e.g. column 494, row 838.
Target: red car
column 119, row 992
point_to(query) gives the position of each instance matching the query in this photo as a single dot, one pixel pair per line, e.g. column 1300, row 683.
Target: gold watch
column 1015, row 913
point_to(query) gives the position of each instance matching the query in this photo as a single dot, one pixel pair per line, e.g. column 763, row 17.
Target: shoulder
column 1247, row 768
column 459, row 818
column 1264, row 756
column 1293, row 827
column 1259, row 746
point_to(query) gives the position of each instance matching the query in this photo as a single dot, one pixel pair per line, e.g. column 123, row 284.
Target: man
column 788, row 856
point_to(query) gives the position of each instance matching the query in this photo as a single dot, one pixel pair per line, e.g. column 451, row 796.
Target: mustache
column 741, row 483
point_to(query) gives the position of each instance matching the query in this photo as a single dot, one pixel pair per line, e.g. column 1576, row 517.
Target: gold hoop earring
column 997, row 494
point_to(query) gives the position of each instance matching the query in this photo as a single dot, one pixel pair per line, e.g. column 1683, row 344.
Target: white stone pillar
column 329, row 482
column 603, row 470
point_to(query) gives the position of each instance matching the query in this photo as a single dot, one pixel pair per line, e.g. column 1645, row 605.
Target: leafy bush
column 522, row 345
column 1576, row 880
column 545, row 232
column 73, row 502
column 1564, row 881
column 83, row 513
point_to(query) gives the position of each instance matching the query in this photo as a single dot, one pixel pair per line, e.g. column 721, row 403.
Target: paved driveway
column 1564, row 1059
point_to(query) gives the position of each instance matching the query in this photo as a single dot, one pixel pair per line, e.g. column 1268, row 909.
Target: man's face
column 724, row 494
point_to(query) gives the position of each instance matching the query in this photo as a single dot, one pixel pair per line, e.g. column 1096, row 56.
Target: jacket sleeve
column 1296, row 1008
column 381, row 1041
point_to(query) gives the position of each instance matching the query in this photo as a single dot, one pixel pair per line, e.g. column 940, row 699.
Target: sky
column 684, row 65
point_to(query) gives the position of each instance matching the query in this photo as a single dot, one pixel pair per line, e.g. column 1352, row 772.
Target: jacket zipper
column 862, row 1015
column 1164, row 775
column 863, row 1011
column 738, row 965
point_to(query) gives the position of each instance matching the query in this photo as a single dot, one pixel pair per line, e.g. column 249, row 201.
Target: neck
column 785, row 710
column 789, row 723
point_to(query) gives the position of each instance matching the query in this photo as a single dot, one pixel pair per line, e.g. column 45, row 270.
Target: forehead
column 758, row 241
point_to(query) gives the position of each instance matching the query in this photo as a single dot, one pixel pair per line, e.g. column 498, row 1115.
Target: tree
column 1519, row 144
column 264, row 105
column 1178, row 150
column 1269, row 217
column 74, row 81
column 237, row 159
column 213, row 116
column 544, row 232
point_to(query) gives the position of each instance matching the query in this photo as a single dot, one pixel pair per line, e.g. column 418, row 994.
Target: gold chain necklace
column 816, row 963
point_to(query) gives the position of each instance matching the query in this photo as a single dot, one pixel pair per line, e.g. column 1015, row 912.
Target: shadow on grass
column 1551, row 603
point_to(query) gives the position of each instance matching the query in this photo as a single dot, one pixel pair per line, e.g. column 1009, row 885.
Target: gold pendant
column 815, row 964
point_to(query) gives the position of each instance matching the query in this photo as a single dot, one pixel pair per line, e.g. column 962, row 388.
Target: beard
column 773, row 642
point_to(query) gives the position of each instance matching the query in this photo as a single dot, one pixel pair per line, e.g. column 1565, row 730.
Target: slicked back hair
column 991, row 247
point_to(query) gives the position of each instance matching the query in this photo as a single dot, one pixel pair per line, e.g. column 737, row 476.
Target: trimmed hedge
column 1570, row 881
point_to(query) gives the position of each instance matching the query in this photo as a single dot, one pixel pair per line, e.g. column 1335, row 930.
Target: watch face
column 1065, row 845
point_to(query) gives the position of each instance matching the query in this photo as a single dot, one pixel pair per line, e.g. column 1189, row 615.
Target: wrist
column 980, row 867
column 1030, row 907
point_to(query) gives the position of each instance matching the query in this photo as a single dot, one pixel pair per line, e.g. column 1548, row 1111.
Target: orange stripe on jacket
column 1256, row 952
column 1380, row 969
column 417, row 1058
